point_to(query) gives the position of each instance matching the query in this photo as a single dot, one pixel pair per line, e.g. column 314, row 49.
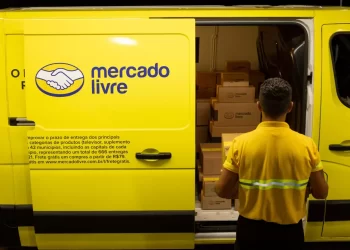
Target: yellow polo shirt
column 274, row 164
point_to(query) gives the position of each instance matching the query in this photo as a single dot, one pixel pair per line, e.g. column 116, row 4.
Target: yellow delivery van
column 98, row 119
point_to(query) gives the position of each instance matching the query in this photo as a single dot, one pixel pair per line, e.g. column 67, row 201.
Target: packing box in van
column 201, row 176
column 210, row 158
column 205, row 79
column 205, row 84
column 215, row 203
column 235, row 94
column 235, row 84
column 209, row 186
column 228, row 77
column 217, row 131
column 235, row 114
column 206, row 93
column 236, row 205
column 203, row 112
column 243, row 66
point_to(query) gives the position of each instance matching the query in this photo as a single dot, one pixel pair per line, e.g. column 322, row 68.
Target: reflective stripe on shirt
column 270, row 184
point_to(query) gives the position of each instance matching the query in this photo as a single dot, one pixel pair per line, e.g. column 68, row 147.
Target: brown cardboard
column 205, row 84
column 203, row 112
column 238, row 66
column 235, row 114
column 202, row 133
column 206, row 93
column 236, row 84
column 209, row 188
column 256, row 78
column 207, row 177
column 210, row 158
column 215, row 203
column 217, row 131
column 235, row 94
column 205, row 79
column 236, row 205
column 233, row 77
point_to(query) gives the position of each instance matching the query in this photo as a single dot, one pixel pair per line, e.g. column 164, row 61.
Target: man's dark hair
column 275, row 97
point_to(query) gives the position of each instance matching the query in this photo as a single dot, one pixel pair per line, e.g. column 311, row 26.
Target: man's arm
column 228, row 184
column 318, row 184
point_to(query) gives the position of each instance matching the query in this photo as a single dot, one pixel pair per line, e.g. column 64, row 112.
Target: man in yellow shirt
column 271, row 169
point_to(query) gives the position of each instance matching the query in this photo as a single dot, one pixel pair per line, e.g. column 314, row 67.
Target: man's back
column 274, row 164
column 272, row 167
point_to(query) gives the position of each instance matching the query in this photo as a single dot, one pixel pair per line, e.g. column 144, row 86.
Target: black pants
column 258, row 235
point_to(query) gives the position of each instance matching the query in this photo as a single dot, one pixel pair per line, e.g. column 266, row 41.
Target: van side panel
column 5, row 157
column 8, row 230
column 113, row 142
column 15, row 93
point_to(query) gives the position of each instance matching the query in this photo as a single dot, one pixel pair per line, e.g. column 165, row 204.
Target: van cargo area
column 231, row 64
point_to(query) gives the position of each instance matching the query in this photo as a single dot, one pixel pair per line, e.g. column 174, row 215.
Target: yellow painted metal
column 113, row 190
column 15, row 23
column 27, row 236
column 115, row 241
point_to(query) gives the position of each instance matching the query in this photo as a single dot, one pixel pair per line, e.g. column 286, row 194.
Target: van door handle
column 339, row 147
column 20, row 121
column 158, row 156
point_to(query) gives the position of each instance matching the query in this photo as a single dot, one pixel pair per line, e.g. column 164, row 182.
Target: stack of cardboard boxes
column 234, row 108
column 226, row 103
column 210, row 167
column 212, row 157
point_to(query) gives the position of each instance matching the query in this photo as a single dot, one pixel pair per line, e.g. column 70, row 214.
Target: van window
column 340, row 50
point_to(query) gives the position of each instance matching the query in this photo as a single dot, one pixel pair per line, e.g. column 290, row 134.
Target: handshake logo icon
column 59, row 80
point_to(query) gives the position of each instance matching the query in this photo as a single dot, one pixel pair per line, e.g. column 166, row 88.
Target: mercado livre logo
column 63, row 79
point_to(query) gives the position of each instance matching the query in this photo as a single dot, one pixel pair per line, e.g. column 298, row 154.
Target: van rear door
column 113, row 150
column 335, row 134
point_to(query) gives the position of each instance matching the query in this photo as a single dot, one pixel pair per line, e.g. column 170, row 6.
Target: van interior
column 275, row 50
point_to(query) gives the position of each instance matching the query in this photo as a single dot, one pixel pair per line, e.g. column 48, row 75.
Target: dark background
column 52, row 3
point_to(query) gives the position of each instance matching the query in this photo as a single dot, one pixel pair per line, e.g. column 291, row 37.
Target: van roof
column 172, row 7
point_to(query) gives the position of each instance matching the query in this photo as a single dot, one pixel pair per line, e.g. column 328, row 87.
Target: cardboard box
column 236, row 84
column 217, row 131
column 205, row 84
column 203, row 108
column 256, row 78
column 238, row 66
column 235, row 94
column 236, row 205
column 207, row 177
column 210, row 158
column 205, row 80
column 209, row 186
column 235, row 114
column 233, row 77
column 202, row 134
column 206, row 93
column 215, row 203
column 226, row 143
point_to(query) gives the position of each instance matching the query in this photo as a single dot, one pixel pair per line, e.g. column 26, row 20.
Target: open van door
column 112, row 155
column 335, row 133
